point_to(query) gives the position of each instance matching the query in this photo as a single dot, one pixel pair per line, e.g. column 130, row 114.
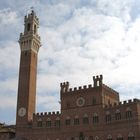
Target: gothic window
column 128, row 113
column 34, row 29
column 119, row 137
column 28, row 27
column 76, row 121
column 39, row 123
column 68, row 122
column 96, row 138
column 95, row 119
column 108, row 118
column 109, row 137
column 131, row 136
column 48, row 123
column 117, row 115
column 57, row 123
column 85, row 119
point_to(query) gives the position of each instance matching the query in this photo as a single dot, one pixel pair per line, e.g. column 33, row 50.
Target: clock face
column 80, row 101
column 22, row 112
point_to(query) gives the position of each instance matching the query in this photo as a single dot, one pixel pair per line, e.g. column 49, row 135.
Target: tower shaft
column 29, row 44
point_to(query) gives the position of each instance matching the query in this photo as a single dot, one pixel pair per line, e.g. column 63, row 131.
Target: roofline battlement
column 97, row 82
column 41, row 114
column 123, row 103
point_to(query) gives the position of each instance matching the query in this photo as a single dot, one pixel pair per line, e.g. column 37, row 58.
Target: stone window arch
column 86, row 138
column 128, row 113
column 119, row 137
column 76, row 120
column 57, row 122
column 95, row 118
column 109, row 137
column 48, row 123
column 117, row 115
column 35, row 28
column 28, row 27
column 68, row 120
column 108, row 117
column 39, row 122
column 131, row 136
column 96, row 138
column 85, row 119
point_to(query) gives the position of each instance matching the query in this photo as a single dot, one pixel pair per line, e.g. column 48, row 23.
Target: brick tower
column 29, row 44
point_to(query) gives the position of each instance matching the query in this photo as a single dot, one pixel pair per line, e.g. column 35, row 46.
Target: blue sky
column 79, row 39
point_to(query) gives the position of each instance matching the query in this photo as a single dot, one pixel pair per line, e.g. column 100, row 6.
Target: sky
column 80, row 39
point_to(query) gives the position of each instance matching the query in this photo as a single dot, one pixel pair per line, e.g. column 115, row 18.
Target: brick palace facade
column 92, row 112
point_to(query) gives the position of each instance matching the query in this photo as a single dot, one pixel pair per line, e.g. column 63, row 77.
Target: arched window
column 76, row 120
column 28, row 27
column 68, row 121
column 96, row 138
column 57, row 122
column 34, row 29
column 118, row 115
column 39, row 122
column 48, row 123
column 86, row 138
column 109, row 137
column 131, row 136
column 108, row 117
column 119, row 137
column 95, row 119
column 85, row 119
column 128, row 113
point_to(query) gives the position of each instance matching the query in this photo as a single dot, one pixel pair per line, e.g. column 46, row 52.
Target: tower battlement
column 123, row 103
column 30, row 16
column 97, row 82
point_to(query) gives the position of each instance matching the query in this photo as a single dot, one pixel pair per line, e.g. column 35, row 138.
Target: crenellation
column 46, row 114
column 58, row 113
column 70, row 90
column 84, row 87
column 124, row 102
column 75, row 88
column 120, row 103
column 64, row 87
column 90, row 86
column 97, row 83
column 79, row 87
column 97, row 80
column 128, row 102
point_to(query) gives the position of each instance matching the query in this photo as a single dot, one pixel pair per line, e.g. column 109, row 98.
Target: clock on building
column 80, row 101
column 22, row 112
